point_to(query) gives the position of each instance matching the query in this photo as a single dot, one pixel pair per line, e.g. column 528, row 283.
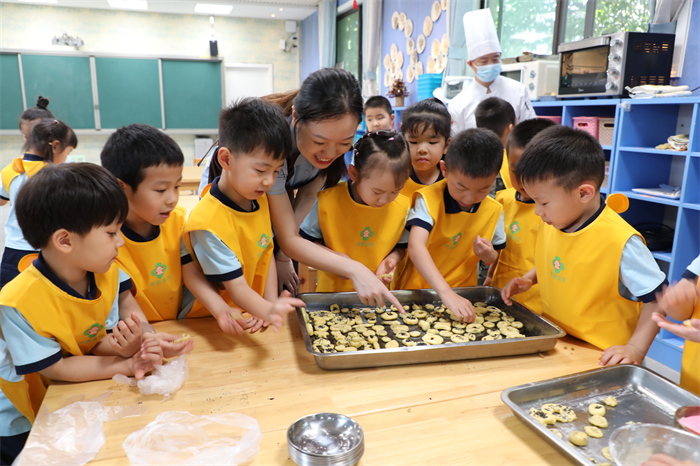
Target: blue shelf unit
column 640, row 126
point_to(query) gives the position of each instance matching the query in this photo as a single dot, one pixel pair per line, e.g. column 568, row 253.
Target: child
column 426, row 127
column 33, row 115
column 497, row 115
column 55, row 314
column 365, row 218
column 50, row 141
column 452, row 209
column 378, row 114
column 597, row 278
column 228, row 234
column 520, row 220
column 682, row 302
column 148, row 165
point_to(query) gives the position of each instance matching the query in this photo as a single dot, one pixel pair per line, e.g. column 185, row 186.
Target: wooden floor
column 440, row 413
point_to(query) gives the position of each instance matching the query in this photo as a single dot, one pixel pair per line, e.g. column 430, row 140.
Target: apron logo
column 514, row 227
column 456, row 238
column 93, row 330
column 159, row 271
column 366, row 234
column 264, row 241
column 557, row 264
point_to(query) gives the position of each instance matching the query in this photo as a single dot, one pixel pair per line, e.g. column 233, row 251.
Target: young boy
column 452, row 209
column 148, row 165
column 378, row 114
column 228, row 234
column 55, row 314
column 520, row 220
column 426, row 127
column 597, row 278
column 497, row 115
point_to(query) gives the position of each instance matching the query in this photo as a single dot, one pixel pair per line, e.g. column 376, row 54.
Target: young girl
column 365, row 218
column 34, row 114
column 426, row 127
column 49, row 141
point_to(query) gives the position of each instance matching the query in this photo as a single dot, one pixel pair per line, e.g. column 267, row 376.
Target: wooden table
column 191, row 177
column 441, row 413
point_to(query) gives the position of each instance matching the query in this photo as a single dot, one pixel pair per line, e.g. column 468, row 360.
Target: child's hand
column 386, row 269
column 169, row 347
column 690, row 333
column 460, row 307
column 621, row 354
column 487, row 281
column 484, row 250
column 513, row 287
column 141, row 363
column 679, row 297
column 254, row 324
column 660, row 459
column 280, row 308
column 126, row 336
column 232, row 322
column 287, row 276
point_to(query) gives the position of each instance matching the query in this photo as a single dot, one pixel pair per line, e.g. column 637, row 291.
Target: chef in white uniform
column 484, row 57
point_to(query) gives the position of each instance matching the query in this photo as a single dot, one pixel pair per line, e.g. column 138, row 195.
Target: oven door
column 583, row 67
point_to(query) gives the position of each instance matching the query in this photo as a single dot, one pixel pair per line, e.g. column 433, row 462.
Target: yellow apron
column 76, row 324
column 578, row 275
column 518, row 257
column 505, row 171
column 247, row 234
column 451, row 240
column 19, row 166
column 366, row 234
column 690, row 367
column 155, row 270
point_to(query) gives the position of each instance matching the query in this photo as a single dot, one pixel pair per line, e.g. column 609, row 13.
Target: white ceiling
column 295, row 10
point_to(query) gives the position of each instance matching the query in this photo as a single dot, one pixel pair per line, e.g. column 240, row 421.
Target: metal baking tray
column 541, row 335
column 642, row 396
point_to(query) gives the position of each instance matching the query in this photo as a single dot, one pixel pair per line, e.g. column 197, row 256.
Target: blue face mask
column 488, row 73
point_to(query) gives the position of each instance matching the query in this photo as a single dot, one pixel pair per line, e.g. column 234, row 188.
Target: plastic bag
column 166, row 379
column 72, row 435
column 178, row 437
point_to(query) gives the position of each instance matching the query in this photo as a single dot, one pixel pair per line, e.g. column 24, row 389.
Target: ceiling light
column 273, row 15
column 281, row 9
column 39, row 1
column 211, row 9
column 129, row 4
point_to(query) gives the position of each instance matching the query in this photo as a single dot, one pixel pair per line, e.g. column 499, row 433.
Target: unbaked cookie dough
column 610, row 401
column 593, row 432
column 578, row 438
column 598, row 421
column 596, row 409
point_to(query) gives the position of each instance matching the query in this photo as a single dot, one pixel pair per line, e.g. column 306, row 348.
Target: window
column 529, row 25
column 348, row 44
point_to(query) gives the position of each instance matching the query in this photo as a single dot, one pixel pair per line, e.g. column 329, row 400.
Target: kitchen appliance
column 540, row 77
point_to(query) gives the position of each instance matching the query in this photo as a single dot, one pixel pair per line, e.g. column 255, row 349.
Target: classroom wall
column 241, row 40
column 310, row 61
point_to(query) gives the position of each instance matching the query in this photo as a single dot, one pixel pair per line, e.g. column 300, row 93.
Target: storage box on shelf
column 639, row 126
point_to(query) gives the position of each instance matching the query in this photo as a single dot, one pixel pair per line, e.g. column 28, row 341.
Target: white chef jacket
column 464, row 104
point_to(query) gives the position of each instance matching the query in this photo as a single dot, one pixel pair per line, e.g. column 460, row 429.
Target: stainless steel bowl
column 634, row 444
column 325, row 439
column 685, row 411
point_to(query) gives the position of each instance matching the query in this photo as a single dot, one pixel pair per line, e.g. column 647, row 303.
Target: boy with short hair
column 378, row 114
column 497, row 115
column 148, row 164
column 229, row 234
column 520, row 220
column 597, row 278
column 55, row 314
column 452, row 209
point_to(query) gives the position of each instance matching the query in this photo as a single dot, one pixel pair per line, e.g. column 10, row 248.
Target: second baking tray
column 542, row 335
column 642, row 396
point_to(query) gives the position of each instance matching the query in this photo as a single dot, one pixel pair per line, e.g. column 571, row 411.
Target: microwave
column 540, row 77
column 606, row 65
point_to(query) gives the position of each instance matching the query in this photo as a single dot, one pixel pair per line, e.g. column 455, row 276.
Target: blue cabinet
column 641, row 125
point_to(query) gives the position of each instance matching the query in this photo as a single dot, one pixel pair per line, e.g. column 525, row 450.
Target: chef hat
column 480, row 33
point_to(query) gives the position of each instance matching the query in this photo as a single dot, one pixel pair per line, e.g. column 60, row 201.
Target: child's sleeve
column 30, row 352
column 185, row 257
column 640, row 275
column 310, row 228
column 419, row 215
column 499, row 236
column 693, row 270
column 219, row 263
column 403, row 241
column 4, row 195
column 280, row 184
column 125, row 284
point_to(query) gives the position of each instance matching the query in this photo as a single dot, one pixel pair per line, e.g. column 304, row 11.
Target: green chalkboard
column 192, row 93
column 10, row 92
column 129, row 91
column 66, row 82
